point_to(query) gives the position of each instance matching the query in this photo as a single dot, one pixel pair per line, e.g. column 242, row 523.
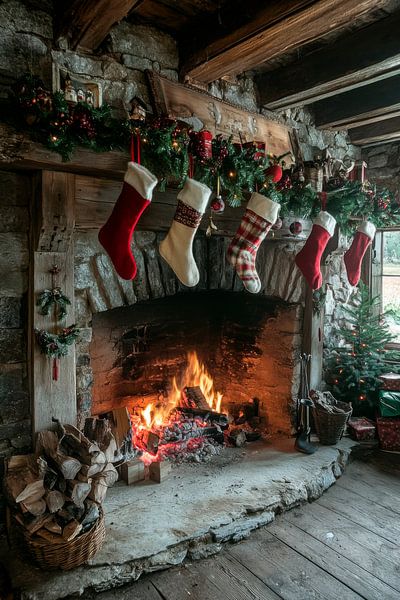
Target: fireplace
column 198, row 366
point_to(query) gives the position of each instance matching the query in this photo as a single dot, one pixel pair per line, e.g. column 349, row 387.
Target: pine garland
column 165, row 147
column 56, row 345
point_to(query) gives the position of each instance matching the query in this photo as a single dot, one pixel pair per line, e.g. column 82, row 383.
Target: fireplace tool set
column 304, row 403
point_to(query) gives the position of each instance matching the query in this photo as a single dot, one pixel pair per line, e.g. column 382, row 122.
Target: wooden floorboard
column 343, row 546
column 285, row 570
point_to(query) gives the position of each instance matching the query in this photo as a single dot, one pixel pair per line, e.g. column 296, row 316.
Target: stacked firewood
column 56, row 493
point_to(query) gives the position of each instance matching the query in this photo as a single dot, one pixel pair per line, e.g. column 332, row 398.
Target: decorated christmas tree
column 354, row 367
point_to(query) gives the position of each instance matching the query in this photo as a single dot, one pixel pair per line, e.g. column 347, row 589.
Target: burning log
column 193, row 397
column 149, row 441
column 207, row 415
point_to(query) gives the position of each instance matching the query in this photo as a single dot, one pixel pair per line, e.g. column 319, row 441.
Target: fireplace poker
column 303, row 443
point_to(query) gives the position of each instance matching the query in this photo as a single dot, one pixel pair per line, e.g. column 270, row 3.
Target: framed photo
column 76, row 89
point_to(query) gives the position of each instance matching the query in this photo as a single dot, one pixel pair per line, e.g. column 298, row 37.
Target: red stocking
column 355, row 254
column 115, row 236
column 309, row 258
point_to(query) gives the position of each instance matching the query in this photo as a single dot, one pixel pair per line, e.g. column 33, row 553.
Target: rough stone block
column 84, row 378
column 22, row 53
column 14, row 189
column 145, row 41
column 78, row 63
column 113, row 70
column 10, row 312
column 107, row 281
column 14, row 430
column 19, row 17
column 12, row 378
column 138, row 63
column 13, row 218
column 14, row 406
column 12, row 346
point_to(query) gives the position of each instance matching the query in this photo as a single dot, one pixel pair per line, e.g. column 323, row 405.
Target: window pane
column 391, row 253
column 391, row 302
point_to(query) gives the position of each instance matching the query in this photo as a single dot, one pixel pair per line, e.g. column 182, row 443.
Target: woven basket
column 330, row 426
column 65, row 555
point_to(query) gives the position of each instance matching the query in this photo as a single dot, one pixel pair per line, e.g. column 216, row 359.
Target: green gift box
column 389, row 403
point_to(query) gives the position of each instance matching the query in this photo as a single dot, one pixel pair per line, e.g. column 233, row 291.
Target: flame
column 195, row 375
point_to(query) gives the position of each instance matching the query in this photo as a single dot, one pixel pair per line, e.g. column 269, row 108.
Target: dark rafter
column 374, row 102
column 86, row 23
column 375, row 133
column 358, row 58
column 275, row 28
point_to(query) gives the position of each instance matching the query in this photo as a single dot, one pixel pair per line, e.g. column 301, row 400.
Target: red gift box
column 391, row 382
column 389, row 433
column 361, row 429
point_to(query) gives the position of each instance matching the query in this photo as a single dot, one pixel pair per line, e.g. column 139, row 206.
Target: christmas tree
column 354, row 367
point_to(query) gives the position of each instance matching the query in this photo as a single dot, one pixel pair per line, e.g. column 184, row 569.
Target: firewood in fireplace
column 149, row 441
column 132, row 471
column 193, row 397
column 237, row 437
column 207, row 415
column 159, row 470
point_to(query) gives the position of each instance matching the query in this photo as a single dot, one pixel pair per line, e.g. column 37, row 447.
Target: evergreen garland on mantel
column 167, row 144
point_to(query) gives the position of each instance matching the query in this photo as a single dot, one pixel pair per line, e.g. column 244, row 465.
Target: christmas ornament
column 354, row 256
column 201, row 145
column 116, row 235
column 177, row 248
column 82, row 122
column 56, row 345
column 218, row 205
column 274, row 172
column 260, row 215
column 309, row 258
column 296, row 228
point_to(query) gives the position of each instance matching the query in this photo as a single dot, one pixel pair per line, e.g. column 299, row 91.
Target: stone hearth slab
column 190, row 515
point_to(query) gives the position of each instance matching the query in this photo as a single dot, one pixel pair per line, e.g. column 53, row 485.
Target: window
column 390, row 279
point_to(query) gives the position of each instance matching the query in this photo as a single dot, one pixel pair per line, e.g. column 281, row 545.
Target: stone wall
column 383, row 165
column 15, row 425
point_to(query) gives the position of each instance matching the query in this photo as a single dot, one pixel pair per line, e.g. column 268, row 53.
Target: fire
column 195, row 374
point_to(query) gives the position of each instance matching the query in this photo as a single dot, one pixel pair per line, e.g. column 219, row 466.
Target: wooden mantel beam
column 376, row 133
column 371, row 103
column 277, row 27
column 358, row 58
column 86, row 23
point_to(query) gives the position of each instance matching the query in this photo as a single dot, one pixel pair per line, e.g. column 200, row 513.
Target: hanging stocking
column 309, row 258
column 355, row 254
column 260, row 215
column 115, row 236
column 177, row 247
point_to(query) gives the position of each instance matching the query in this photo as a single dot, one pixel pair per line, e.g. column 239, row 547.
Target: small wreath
column 53, row 297
column 56, row 345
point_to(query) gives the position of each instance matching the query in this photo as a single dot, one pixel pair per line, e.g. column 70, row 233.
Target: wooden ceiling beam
column 277, row 27
column 371, row 103
column 376, row 133
column 86, row 23
column 356, row 59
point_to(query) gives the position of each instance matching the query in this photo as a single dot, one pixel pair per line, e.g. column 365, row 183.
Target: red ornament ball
column 296, row 228
column 274, row 172
column 218, row 205
column 278, row 224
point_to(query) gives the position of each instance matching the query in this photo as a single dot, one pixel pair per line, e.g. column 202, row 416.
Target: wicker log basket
column 65, row 555
column 330, row 417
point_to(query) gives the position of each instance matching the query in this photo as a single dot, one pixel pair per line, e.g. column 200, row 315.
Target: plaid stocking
column 260, row 215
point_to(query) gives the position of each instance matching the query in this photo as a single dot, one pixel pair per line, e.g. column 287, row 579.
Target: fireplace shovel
column 302, row 443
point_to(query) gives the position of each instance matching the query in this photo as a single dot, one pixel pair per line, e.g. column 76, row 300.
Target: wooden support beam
column 277, row 27
column 86, row 23
column 54, row 245
column 356, row 59
column 376, row 133
column 371, row 103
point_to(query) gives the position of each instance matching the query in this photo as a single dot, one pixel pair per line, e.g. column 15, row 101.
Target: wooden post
column 52, row 244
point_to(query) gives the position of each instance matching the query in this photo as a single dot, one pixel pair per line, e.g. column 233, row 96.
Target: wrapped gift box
column 389, row 433
column 361, row 429
column 391, row 381
column 389, row 403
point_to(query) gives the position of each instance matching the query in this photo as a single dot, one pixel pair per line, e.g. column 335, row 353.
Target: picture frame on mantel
column 203, row 111
column 75, row 88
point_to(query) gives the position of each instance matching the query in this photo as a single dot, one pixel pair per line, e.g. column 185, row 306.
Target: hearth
column 197, row 371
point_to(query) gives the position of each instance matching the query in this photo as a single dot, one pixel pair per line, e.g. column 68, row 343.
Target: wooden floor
column 344, row 546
